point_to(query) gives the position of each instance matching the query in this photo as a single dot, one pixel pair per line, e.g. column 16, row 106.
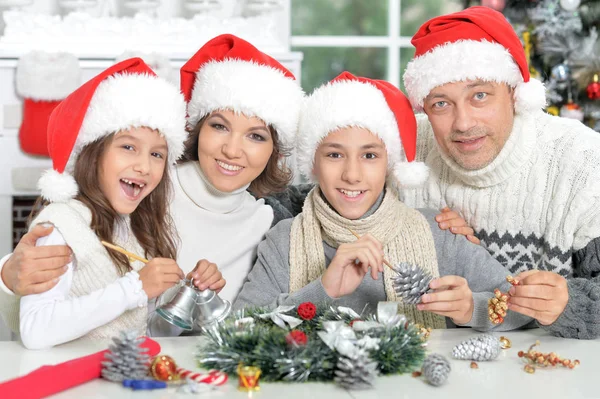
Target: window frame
column 393, row 42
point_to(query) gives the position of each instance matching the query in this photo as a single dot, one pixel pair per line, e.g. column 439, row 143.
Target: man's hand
column 33, row 270
column 344, row 274
column 452, row 298
column 540, row 294
column 207, row 275
column 450, row 219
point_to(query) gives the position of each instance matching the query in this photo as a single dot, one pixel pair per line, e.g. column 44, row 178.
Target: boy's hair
column 273, row 179
column 151, row 222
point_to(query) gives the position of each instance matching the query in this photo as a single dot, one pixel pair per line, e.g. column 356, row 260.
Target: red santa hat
column 476, row 43
column 375, row 105
column 126, row 95
column 230, row 73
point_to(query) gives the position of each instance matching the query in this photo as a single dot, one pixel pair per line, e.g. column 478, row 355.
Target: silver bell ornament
column 190, row 307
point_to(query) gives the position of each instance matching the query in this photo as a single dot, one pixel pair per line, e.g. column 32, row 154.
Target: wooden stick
column 385, row 262
column 124, row 252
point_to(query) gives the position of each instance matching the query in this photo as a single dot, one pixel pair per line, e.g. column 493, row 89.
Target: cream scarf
column 404, row 232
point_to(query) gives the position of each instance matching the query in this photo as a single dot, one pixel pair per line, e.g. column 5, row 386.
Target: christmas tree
column 561, row 40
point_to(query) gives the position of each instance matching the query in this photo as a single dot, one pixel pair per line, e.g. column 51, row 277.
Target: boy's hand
column 344, row 274
column 452, row 298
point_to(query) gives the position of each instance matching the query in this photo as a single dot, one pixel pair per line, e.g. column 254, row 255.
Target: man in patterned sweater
column 526, row 181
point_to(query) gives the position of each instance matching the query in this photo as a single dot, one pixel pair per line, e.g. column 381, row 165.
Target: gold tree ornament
column 505, row 343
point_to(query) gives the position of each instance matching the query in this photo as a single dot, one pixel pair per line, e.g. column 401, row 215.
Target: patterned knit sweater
column 536, row 206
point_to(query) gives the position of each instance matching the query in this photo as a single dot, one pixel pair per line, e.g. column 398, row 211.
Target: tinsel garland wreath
column 257, row 337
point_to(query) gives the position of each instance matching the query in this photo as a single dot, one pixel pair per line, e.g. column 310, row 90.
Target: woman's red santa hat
column 476, row 43
column 126, row 95
column 230, row 73
column 375, row 105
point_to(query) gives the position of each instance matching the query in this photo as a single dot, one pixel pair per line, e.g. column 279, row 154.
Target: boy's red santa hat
column 476, row 43
column 375, row 105
column 126, row 95
column 230, row 73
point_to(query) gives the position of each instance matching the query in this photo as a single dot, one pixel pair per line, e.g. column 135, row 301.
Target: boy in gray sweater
column 349, row 141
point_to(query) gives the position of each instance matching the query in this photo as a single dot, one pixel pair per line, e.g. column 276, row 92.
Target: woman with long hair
column 243, row 111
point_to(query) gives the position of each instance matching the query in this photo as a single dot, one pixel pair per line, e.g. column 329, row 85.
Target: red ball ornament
column 593, row 89
column 163, row 368
column 307, row 310
column 296, row 338
column 352, row 322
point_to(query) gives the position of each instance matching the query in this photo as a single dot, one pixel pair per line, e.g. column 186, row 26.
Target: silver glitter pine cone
column 411, row 282
column 126, row 359
column 356, row 372
column 436, row 369
column 481, row 348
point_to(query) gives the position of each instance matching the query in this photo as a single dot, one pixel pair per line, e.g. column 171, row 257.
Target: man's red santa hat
column 476, row 43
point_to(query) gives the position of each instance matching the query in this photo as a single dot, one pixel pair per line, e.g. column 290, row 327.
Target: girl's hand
column 450, row 219
column 207, row 275
column 350, row 265
column 159, row 275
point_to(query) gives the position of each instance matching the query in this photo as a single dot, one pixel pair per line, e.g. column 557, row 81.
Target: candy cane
column 214, row 377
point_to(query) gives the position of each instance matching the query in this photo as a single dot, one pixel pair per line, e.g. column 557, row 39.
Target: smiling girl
column 354, row 136
column 111, row 142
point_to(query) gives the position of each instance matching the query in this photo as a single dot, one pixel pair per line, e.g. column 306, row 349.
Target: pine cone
column 126, row 359
column 481, row 348
column 356, row 372
column 411, row 282
column 436, row 369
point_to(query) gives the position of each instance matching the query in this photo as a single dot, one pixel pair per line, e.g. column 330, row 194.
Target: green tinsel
column 263, row 344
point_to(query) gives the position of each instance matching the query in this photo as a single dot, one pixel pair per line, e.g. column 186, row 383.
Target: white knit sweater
column 224, row 228
column 535, row 204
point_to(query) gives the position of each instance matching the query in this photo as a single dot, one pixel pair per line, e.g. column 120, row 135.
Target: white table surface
column 502, row 378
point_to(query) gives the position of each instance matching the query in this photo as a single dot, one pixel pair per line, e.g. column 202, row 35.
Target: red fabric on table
column 48, row 380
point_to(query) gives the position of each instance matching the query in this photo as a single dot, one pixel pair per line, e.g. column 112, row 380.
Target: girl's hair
column 151, row 222
column 273, row 179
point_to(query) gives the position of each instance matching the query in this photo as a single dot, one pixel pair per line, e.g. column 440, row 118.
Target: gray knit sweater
column 268, row 282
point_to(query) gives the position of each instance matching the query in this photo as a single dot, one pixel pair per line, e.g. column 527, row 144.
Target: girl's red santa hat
column 230, row 73
column 476, row 43
column 126, row 95
column 375, row 105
